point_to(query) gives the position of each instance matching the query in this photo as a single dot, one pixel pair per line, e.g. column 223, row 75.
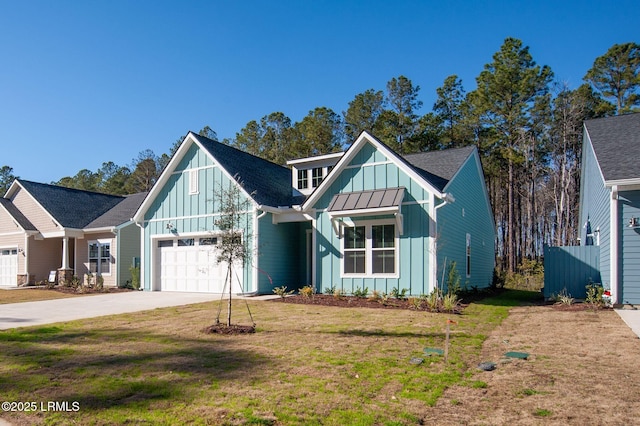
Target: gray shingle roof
column 616, row 142
column 269, row 182
column 120, row 213
column 439, row 167
column 17, row 215
column 71, row 208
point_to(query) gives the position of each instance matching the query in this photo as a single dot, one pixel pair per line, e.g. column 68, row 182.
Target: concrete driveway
column 49, row 311
column 632, row 318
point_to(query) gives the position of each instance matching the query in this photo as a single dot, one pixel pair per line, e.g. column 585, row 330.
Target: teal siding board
column 281, row 255
column 469, row 213
column 629, row 264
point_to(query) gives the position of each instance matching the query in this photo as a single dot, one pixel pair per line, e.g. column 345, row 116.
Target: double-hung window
column 316, row 177
column 100, row 257
column 303, row 179
column 370, row 250
column 355, row 250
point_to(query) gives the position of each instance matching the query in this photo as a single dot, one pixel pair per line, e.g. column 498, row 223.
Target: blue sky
column 85, row 82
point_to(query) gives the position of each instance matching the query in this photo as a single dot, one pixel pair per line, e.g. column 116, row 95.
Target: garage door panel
column 192, row 268
column 9, row 267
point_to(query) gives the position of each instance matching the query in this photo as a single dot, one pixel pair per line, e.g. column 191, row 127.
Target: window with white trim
column 100, row 257
column 468, row 255
column 316, row 177
column 303, row 181
column 370, row 249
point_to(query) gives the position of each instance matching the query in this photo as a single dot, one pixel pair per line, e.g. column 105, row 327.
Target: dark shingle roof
column 71, row 208
column 120, row 213
column 17, row 215
column 616, row 142
column 439, row 167
column 269, row 182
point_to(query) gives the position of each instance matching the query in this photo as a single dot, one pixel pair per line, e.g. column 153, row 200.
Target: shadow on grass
column 105, row 367
column 507, row 297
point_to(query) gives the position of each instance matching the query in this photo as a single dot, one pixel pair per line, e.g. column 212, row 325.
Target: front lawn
column 305, row 365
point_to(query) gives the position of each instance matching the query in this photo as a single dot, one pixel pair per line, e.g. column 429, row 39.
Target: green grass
column 306, row 365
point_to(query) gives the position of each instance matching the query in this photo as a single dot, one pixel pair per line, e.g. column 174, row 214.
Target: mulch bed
column 355, row 302
column 229, row 330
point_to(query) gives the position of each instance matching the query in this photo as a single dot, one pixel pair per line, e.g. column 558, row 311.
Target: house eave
column 624, row 184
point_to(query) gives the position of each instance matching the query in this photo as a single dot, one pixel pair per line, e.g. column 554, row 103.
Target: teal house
column 610, row 202
column 367, row 218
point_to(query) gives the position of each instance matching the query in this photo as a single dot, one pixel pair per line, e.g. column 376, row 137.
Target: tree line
column 526, row 125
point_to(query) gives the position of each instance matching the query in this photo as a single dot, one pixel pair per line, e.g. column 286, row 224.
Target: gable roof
column 17, row 215
column 120, row 213
column 268, row 183
column 439, row 167
column 432, row 170
column 616, row 142
column 71, row 208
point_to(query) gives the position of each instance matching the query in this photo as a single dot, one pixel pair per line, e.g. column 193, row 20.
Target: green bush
column 135, row 277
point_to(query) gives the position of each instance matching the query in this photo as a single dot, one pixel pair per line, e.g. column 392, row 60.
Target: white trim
column 316, row 158
column 467, row 256
column 369, row 250
column 100, row 242
column 613, row 244
column 376, row 163
column 194, row 184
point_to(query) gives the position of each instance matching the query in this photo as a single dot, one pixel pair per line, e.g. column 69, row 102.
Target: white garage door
column 8, row 267
column 189, row 264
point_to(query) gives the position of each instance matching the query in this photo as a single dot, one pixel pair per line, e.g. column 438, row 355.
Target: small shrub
column 453, row 279
column 565, row 298
column 307, row 292
column 49, row 285
column 416, row 302
column 282, row 291
column 361, row 293
column 339, row 293
column 398, row 294
column 99, row 283
column 89, row 280
column 595, row 295
column 330, row 290
column 433, row 300
column 375, row 295
column 135, row 277
column 450, row 302
column 384, row 298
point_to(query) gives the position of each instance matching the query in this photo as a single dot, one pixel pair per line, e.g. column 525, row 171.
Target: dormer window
column 303, row 180
column 316, row 176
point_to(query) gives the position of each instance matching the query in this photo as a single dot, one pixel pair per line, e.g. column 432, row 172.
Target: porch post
column 65, row 253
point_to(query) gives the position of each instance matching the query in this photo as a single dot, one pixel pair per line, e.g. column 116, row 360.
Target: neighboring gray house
column 610, row 201
column 45, row 228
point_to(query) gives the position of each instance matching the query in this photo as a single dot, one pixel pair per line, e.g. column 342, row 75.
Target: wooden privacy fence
column 570, row 268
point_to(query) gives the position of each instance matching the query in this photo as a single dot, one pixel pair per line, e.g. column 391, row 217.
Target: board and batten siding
column 629, row 254
column 470, row 214
column 595, row 205
column 189, row 214
column 370, row 170
column 281, row 255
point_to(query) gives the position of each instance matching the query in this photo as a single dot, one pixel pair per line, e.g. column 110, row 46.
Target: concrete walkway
column 50, row 311
column 632, row 318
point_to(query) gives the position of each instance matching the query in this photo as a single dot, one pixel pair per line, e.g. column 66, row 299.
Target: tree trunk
column 229, row 304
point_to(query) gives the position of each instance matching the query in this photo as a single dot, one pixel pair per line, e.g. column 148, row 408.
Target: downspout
column 26, row 257
column 613, row 245
column 446, row 199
